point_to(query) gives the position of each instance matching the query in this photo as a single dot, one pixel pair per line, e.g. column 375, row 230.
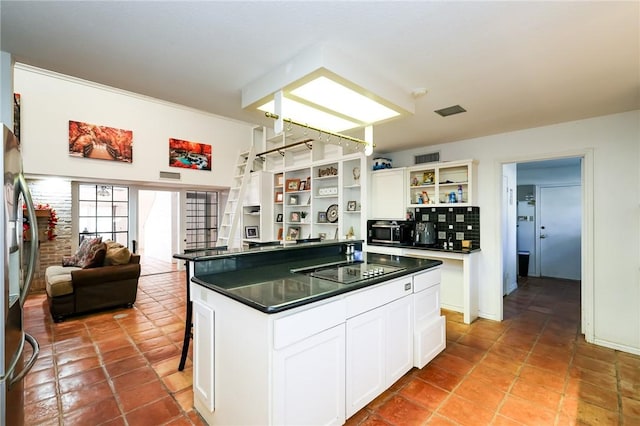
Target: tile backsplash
column 457, row 223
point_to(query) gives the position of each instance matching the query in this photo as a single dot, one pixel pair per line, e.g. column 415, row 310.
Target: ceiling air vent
column 169, row 175
column 445, row 112
column 432, row 157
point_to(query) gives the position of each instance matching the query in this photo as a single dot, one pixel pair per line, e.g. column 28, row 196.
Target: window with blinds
column 201, row 219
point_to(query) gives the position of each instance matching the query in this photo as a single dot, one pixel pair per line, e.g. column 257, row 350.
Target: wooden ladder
column 230, row 234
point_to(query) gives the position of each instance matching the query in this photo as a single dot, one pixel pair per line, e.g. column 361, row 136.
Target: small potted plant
column 303, row 214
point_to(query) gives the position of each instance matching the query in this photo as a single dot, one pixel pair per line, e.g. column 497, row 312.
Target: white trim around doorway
column 587, row 229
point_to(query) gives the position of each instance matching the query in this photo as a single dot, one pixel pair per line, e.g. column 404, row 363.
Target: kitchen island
column 309, row 333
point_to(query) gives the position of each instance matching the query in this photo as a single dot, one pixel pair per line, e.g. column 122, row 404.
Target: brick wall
column 58, row 196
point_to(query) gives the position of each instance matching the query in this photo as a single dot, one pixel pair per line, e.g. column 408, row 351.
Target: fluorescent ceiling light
column 321, row 82
column 347, row 102
column 306, row 114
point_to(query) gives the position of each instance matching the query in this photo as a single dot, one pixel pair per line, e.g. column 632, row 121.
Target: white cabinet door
column 365, row 358
column 399, row 339
column 388, row 194
column 430, row 340
column 379, row 351
column 203, row 355
column 252, row 190
column 309, row 380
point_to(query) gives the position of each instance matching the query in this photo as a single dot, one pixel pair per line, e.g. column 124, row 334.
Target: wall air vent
column 170, row 175
column 445, row 112
column 432, row 157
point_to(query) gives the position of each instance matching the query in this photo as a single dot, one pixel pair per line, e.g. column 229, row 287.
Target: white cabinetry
column 388, row 194
column 309, row 380
column 365, row 359
column 256, row 214
column 297, row 159
column 379, row 340
column 430, row 327
column 203, row 371
column 317, row 364
column 434, row 183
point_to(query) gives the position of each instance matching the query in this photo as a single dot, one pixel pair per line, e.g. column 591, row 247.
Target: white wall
column 50, row 100
column 614, row 144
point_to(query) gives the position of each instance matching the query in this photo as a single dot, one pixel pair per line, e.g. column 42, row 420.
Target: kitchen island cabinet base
column 291, row 367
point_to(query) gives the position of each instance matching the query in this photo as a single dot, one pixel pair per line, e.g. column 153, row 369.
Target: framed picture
column 251, row 232
column 279, row 197
column 292, row 185
column 322, row 235
column 279, row 180
column 351, row 206
column 279, row 217
column 100, row 142
column 294, row 217
column 302, row 186
column 293, row 233
column 322, row 217
column 293, row 200
column 189, row 155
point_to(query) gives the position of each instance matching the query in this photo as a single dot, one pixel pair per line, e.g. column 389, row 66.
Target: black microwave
column 390, row 232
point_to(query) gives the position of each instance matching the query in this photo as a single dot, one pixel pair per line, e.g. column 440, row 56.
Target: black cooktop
column 353, row 272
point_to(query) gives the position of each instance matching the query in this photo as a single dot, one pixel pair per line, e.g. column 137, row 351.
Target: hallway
column 120, row 367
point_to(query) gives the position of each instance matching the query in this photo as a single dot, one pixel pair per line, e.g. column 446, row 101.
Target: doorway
column 548, row 173
column 157, row 230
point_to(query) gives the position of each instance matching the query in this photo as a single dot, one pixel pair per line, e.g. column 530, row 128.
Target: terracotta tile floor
column 533, row 368
column 120, row 367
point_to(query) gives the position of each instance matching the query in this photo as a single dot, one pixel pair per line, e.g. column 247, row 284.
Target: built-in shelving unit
column 311, row 175
column 440, row 184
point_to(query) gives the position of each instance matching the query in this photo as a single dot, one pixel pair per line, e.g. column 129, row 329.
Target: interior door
column 560, row 231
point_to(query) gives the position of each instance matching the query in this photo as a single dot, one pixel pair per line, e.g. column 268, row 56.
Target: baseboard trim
column 616, row 346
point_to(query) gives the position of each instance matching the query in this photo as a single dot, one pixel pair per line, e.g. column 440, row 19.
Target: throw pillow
column 69, row 260
column 95, row 257
column 117, row 254
column 83, row 249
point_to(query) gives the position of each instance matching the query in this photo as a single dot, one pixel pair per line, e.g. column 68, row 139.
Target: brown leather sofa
column 72, row 290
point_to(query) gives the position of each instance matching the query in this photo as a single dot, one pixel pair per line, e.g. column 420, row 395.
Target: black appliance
column 354, row 272
column 397, row 232
column 425, row 234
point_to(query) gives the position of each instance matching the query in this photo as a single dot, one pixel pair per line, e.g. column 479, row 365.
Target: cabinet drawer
column 371, row 298
column 428, row 342
column 300, row 325
column 426, row 279
column 427, row 305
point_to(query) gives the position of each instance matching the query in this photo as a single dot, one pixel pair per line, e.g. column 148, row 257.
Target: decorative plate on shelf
column 332, row 213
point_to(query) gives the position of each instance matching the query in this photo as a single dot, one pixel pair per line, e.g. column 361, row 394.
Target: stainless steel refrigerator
column 17, row 267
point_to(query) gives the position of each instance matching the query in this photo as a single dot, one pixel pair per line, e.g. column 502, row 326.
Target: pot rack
column 309, row 142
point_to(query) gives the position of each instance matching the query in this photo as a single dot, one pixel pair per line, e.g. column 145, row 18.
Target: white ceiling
column 512, row 65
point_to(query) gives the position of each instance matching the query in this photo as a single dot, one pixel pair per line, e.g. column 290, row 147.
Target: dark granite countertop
column 222, row 252
column 426, row 248
column 278, row 285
